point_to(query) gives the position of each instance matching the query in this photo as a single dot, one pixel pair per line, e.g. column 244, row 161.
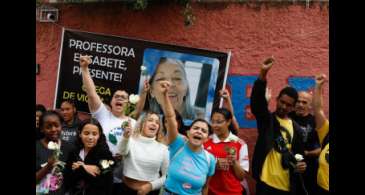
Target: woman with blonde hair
column 144, row 156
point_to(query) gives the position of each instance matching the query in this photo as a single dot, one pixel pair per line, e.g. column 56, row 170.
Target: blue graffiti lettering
column 303, row 83
column 240, row 86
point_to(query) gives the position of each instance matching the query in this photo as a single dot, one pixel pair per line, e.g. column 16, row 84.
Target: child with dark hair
column 46, row 161
column 231, row 154
column 88, row 168
column 234, row 127
column 111, row 117
column 71, row 121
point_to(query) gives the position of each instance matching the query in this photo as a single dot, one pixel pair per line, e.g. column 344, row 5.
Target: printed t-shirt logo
column 113, row 134
column 186, row 185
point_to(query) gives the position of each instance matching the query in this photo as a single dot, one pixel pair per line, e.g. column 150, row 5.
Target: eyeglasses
column 121, row 96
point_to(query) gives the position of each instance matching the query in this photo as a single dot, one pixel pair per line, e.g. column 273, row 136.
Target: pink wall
column 295, row 35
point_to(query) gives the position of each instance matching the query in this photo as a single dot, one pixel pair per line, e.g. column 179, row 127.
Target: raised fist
column 224, row 93
column 267, row 64
column 320, row 79
column 85, row 61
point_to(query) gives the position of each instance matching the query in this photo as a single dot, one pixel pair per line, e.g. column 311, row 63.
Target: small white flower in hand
column 44, row 164
column 104, row 164
column 111, row 162
column 133, row 99
column 144, row 71
column 53, row 146
column 299, row 157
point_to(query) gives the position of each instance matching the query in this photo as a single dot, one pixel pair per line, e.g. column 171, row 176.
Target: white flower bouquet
column 299, row 157
column 53, row 180
column 144, row 70
column 106, row 165
column 131, row 105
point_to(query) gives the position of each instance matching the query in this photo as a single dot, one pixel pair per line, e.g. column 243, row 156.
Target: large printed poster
column 196, row 75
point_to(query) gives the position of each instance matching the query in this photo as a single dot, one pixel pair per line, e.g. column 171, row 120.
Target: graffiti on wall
column 302, row 83
column 240, row 87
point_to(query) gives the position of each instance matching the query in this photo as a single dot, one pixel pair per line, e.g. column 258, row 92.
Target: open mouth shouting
column 118, row 105
column 151, row 125
column 152, row 129
column 196, row 139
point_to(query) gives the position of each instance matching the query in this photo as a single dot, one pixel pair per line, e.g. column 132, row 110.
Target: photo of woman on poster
column 193, row 83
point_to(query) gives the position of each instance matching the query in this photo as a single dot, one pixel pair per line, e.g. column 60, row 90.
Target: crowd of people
column 156, row 153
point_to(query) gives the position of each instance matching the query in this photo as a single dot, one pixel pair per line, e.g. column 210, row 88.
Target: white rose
column 44, row 164
column 299, row 157
column 133, row 99
column 143, row 68
column 104, row 164
column 52, row 145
